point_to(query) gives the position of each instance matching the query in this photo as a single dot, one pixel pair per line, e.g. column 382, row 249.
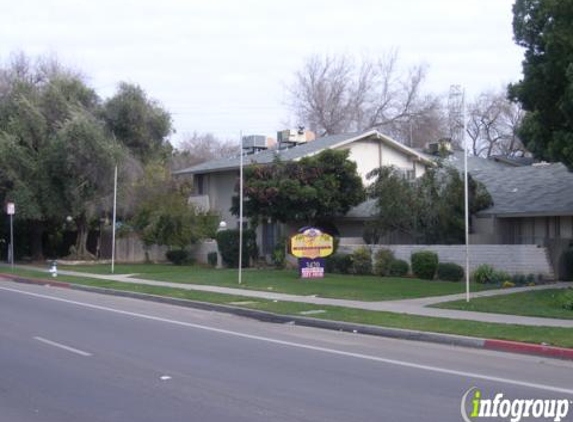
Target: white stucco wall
column 370, row 154
column 221, row 189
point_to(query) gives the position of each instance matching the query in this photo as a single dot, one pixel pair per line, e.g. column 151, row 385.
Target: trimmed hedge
column 448, row 271
column 383, row 260
column 424, row 264
column 339, row 263
column 398, row 268
column 179, row 257
column 228, row 245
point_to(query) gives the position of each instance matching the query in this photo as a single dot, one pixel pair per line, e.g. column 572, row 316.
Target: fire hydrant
column 54, row 269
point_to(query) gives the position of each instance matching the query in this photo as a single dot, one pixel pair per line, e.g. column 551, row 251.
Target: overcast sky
column 221, row 66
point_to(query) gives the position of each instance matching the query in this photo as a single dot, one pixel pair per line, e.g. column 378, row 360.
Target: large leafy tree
column 139, row 122
column 544, row 28
column 80, row 166
column 37, row 100
column 310, row 191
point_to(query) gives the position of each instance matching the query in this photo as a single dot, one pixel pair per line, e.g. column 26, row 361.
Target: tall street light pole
column 11, row 210
column 240, row 208
column 114, row 220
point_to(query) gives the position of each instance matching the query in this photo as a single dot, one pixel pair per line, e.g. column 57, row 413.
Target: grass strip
column 550, row 335
column 336, row 286
column 539, row 303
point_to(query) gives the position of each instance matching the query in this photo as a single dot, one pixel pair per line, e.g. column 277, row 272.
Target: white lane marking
column 62, row 346
column 308, row 347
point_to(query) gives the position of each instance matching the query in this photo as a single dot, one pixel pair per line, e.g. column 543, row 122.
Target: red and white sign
column 10, row 208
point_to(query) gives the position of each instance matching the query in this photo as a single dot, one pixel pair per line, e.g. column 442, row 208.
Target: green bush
column 484, row 274
column 424, row 264
column 339, row 263
column 523, row 279
column 398, row 268
column 566, row 299
column 448, row 271
column 279, row 254
column 501, row 277
column 566, row 262
column 228, row 244
column 212, row 259
column 179, row 257
column 382, row 261
column 362, row 261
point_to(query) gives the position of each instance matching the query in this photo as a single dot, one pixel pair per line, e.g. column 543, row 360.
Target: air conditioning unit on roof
column 291, row 136
column 255, row 142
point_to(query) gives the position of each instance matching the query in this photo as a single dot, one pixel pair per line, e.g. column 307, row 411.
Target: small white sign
column 10, row 208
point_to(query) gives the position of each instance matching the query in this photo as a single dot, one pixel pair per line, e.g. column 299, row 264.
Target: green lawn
column 366, row 288
column 550, row 335
column 540, row 303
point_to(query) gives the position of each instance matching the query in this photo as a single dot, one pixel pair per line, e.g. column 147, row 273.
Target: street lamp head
column 222, row 225
column 69, row 219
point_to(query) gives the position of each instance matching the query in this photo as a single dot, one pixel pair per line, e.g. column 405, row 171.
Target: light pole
column 222, row 226
column 241, row 208
column 11, row 210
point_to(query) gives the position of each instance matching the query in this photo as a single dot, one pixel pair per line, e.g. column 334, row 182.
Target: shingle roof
column 294, row 153
column 539, row 190
column 522, row 191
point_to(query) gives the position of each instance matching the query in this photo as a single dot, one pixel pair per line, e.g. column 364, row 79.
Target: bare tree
column 492, row 125
column 338, row 94
column 197, row 148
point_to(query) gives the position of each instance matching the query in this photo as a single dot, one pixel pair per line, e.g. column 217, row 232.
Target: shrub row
column 424, row 265
column 485, row 274
column 179, row 257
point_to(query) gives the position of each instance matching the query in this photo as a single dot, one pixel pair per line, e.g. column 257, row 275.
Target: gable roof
column 299, row 151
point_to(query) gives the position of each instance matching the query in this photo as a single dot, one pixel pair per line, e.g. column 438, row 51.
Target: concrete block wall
column 200, row 250
column 514, row 259
column 132, row 249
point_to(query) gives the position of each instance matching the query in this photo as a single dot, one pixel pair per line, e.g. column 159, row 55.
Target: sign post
column 11, row 210
column 311, row 246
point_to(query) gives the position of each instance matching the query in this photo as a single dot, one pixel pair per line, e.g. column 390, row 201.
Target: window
column 200, row 180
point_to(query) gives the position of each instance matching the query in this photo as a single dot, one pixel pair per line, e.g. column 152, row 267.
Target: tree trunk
column 82, row 238
column 36, row 234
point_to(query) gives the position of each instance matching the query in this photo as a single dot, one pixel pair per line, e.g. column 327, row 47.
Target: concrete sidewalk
column 408, row 306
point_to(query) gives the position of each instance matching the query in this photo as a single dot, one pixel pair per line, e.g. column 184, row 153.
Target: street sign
column 10, row 208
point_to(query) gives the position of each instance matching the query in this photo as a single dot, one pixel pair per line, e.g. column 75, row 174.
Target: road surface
column 75, row 356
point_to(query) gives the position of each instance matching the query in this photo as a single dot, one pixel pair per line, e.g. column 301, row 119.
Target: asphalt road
column 75, row 356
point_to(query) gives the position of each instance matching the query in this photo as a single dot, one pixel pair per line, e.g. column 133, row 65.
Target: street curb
column 528, row 348
column 264, row 316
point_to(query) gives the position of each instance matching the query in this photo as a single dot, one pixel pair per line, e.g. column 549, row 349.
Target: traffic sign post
column 11, row 210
